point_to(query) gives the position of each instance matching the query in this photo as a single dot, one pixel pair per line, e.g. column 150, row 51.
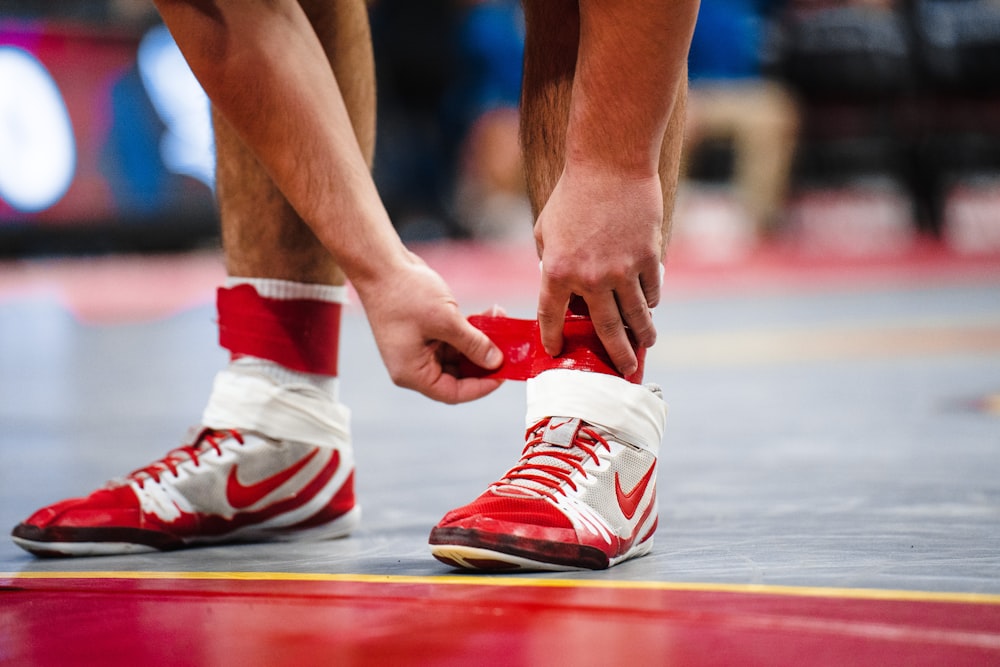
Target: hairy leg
column 262, row 235
column 670, row 158
column 552, row 40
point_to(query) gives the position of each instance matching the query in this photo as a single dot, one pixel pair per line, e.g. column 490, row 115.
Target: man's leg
column 273, row 458
column 266, row 244
column 280, row 273
column 261, row 233
column 583, row 494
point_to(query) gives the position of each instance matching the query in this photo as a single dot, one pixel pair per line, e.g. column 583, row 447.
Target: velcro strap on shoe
column 561, row 432
column 633, row 413
column 524, row 357
column 300, row 334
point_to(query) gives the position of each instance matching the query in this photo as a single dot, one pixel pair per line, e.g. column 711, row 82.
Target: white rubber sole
column 82, row 548
column 472, row 558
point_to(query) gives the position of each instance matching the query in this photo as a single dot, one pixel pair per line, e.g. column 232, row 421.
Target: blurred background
column 844, row 127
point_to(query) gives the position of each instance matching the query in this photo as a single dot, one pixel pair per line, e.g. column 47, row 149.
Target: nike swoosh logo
column 629, row 502
column 241, row 496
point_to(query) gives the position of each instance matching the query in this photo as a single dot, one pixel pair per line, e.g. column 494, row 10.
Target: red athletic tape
column 300, row 334
column 524, row 356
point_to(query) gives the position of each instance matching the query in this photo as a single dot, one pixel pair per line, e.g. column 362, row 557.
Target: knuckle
column 545, row 314
column 637, row 314
column 603, row 280
column 549, row 317
column 643, row 330
column 606, row 327
column 478, row 347
column 645, row 337
column 401, row 376
column 623, row 360
column 399, row 379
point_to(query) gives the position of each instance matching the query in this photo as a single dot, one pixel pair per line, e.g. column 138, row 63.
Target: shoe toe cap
column 106, row 507
column 501, row 513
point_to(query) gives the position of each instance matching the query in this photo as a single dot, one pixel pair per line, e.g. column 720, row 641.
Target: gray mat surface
column 816, row 438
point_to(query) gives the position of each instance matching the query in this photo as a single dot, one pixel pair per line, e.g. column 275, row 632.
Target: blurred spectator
column 417, row 65
column 958, row 49
column 139, row 13
column 490, row 199
column 449, row 75
column 730, row 100
column 119, row 14
column 851, row 65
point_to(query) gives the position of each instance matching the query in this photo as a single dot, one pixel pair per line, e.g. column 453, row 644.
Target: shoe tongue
column 561, row 431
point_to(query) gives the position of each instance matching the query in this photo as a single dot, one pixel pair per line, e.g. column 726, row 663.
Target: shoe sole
column 486, row 560
column 44, row 549
column 91, row 543
column 469, row 550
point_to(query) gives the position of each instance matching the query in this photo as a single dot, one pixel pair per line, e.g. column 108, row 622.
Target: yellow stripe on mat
column 479, row 580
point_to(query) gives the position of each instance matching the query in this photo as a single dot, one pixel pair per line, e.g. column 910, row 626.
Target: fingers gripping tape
column 524, row 356
column 299, row 334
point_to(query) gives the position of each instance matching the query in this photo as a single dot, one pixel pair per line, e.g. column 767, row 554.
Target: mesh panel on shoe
column 631, row 466
column 530, row 511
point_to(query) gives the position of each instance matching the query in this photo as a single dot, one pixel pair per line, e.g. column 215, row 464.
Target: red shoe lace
column 205, row 440
column 546, row 478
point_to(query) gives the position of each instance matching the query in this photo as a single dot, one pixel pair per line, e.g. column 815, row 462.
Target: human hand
column 420, row 333
column 600, row 237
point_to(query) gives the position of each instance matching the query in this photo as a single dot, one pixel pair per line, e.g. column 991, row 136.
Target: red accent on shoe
column 524, row 356
column 214, row 525
column 299, row 334
column 628, row 502
column 241, row 496
column 339, row 505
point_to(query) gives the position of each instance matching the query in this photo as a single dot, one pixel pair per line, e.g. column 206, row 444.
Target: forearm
column 265, row 71
column 631, row 61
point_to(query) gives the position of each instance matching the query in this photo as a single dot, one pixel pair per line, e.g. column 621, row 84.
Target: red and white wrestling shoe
column 227, row 485
column 582, row 496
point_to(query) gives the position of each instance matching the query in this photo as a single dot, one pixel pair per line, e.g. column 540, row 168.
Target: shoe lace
column 206, row 440
column 548, row 469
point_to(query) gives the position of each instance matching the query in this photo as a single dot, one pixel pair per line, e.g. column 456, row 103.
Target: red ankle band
column 524, row 356
column 300, row 334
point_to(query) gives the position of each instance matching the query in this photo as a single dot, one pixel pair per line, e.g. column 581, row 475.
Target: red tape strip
column 300, row 334
column 524, row 356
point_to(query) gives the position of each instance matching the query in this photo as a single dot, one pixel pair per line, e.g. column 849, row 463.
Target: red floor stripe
column 250, row 621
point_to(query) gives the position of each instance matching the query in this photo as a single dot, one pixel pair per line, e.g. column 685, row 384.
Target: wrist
column 614, row 165
column 373, row 276
column 612, row 173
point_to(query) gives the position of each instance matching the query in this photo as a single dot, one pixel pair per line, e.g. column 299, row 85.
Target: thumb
column 477, row 347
